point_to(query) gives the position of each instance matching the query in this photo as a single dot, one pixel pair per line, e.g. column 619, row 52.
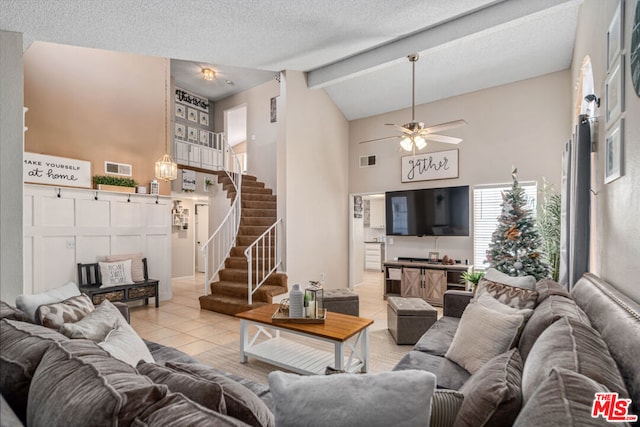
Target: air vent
column 367, row 161
column 112, row 168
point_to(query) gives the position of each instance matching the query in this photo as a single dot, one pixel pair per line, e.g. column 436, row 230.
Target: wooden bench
column 89, row 281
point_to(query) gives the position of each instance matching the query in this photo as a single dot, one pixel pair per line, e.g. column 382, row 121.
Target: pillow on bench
column 137, row 268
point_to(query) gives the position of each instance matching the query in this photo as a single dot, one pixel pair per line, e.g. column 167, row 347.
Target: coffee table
column 345, row 332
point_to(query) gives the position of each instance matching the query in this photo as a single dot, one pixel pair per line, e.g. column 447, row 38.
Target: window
column 486, row 210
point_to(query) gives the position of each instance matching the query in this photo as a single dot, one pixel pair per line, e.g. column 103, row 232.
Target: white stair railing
column 263, row 257
column 217, row 248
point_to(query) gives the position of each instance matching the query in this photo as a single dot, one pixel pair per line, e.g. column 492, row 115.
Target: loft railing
column 263, row 257
column 217, row 248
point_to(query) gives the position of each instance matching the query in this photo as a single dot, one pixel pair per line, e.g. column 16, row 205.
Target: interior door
column 202, row 234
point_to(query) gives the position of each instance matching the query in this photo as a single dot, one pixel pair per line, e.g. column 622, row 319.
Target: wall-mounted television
column 428, row 212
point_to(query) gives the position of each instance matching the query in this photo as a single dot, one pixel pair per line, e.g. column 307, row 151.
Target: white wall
column 60, row 232
column 261, row 133
column 523, row 124
column 183, row 243
column 11, row 149
column 616, row 241
column 314, row 154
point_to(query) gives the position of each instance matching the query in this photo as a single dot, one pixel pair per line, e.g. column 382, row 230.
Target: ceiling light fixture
column 208, row 74
column 166, row 168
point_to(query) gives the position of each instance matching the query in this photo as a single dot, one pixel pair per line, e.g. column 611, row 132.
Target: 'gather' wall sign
column 430, row 166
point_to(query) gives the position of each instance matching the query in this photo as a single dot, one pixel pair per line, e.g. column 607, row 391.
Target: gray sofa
column 592, row 305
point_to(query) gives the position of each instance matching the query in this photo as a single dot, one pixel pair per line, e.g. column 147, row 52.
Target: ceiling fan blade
column 446, row 126
column 378, row 139
column 400, row 128
column 442, row 138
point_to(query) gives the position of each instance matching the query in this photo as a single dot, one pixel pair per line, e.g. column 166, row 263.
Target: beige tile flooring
column 180, row 323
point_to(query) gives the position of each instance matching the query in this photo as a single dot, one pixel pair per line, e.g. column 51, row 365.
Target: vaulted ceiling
column 355, row 50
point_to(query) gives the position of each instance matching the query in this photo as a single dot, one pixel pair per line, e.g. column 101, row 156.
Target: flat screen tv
column 428, row 212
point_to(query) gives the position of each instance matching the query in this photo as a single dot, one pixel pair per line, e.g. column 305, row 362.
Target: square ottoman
column 342, row 301
column 409, row 318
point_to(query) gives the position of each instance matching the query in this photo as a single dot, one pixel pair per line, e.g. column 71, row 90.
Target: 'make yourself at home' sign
column 429, row 166
column 43, row 169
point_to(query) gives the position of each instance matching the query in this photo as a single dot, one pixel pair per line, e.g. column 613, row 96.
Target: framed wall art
column 614, row 92
column 192, row 115
column 614, row 152
column 181, row 111
column 181, row 131
column 192, row 134
column 434, row 256
column 430, row 166
column 204, row 119
column 615, row 36
column 204, row 137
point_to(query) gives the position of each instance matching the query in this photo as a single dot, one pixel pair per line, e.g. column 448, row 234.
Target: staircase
column 229, row 295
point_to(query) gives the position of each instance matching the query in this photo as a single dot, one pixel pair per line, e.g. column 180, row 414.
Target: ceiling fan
column 414, row 135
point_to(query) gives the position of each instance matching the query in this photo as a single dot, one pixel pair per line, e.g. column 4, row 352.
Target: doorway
column 202, row 234
column 367, row 236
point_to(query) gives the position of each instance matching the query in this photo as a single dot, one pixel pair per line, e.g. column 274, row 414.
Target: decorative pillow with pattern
column 137, row 268
column 510, row 295
column 68, row 311
column 115, row 273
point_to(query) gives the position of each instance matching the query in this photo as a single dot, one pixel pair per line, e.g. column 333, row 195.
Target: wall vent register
column 113, row 168
column 367, row 161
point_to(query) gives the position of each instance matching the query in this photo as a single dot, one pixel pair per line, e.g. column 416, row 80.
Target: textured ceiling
column 354, row 49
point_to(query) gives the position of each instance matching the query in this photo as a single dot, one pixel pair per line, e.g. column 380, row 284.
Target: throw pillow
column 548, row 287
column 492, row 396
column 572, row 345
column 137, row 267
column 481, row 335
column 77, row 383
column 510, row 295
column 551, row 309
column 9, row 312
column 488, row 301
column 564, row 398
column 177, row 410
column 207, row 393
column 68, row 311
column 124, row 344
column 525, row 282
column 96, row 325
column 400, row 398
column 445, row 405
column 30, row 303
column 23, row 345
column 115, row 273
column 241, row 403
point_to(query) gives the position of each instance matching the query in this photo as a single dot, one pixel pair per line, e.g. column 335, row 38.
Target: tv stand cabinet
column 422, row 279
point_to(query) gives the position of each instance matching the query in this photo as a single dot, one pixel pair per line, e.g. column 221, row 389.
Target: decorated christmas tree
column 514, row 247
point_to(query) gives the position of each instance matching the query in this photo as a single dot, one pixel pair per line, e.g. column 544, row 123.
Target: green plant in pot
column 471, row 277
column 113, row 180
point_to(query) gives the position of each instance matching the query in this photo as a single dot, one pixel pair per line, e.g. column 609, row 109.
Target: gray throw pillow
column 176, row 410
column 445, row 405
column 79, row 384
column 23, row 345
column 483, row 334
column 547, row 287
column 492, row 396
column 550, row 310
column 96, row 325
column 9, row 312
column 400, row 398
column 207, row 393
column 572, row 345
column 564, row 398
column 241, row 403
column 124, row 344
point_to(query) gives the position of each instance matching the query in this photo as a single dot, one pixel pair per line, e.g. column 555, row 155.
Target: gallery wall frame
column 614, row 152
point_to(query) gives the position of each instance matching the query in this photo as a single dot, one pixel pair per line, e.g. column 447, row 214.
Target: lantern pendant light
column 166, row 168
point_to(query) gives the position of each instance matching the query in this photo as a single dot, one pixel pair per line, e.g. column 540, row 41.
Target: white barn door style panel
column 63, row 227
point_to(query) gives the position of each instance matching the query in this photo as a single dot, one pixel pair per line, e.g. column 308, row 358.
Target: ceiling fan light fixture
column 420, row 142
column 208, row 74
column 406, row 144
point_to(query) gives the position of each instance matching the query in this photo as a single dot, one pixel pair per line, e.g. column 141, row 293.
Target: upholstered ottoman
column 409, row 318
column 342, row 301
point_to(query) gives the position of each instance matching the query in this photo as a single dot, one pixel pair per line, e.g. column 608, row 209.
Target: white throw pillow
column 115, row 273
column 483, row 334
column 526, row 282
column 96, row 325
column 124, row 344
column 399, row 398
column 30, row 303
column 490, row 302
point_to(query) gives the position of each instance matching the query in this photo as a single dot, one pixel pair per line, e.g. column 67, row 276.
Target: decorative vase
column 296, row 302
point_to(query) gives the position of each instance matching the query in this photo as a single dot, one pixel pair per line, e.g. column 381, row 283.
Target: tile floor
column 180, row 323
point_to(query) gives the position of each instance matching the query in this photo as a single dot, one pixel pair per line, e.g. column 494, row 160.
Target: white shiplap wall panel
column 61, row 231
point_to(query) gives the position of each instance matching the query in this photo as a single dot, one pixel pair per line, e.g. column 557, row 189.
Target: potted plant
column 471, row 278
column 114, row 183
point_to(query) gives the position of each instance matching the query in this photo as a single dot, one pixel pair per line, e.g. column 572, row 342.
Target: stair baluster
column 262, row 266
